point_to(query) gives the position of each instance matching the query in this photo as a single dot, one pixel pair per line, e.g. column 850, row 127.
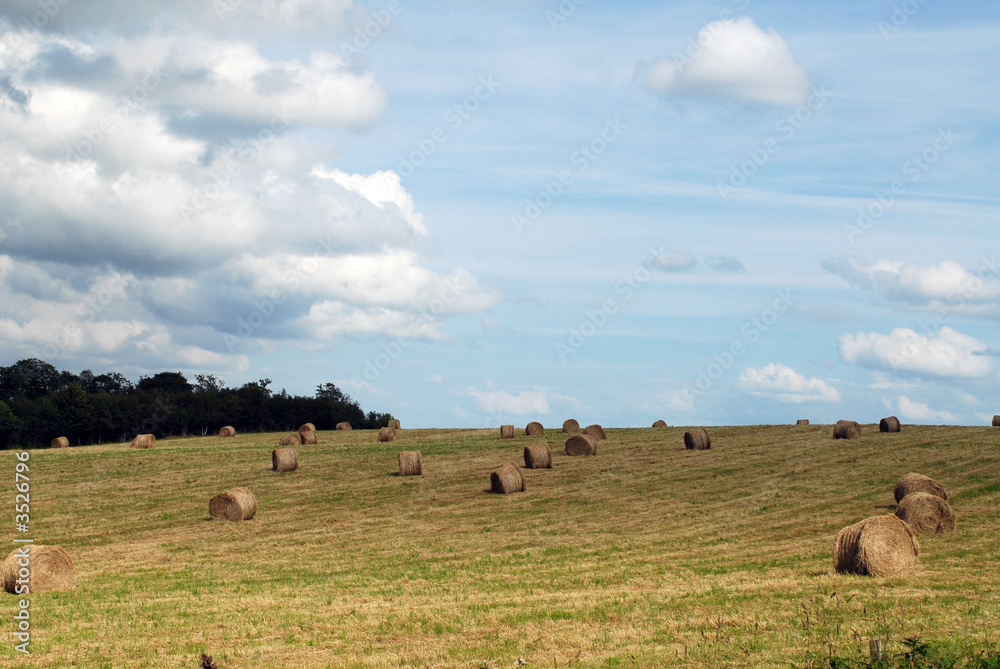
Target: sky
column 471, row 213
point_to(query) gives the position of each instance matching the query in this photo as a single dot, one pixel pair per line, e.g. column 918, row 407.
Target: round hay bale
column 926, row 513
column 143, row 441
column 595, row 431
column 537, row 456
column 697, row 439
column 284, row 460
column 394, row 424
column 308, row 427
column 571, row 426
column 996, row 421
column 292, row 439
column 344, row 426
column 410, row 463
column 234, row 504
column 308, row 438
column 59, row 442
column 507, row 479
column 890, row 424
column 846, row 429
column 40, row 568
column 660, row 423
column 534, row 429
column 877, row 546
column 914, row 482
column 581, row 444
column 228, row 431
column 506, row 431
column 387, row 434
column 802, row 421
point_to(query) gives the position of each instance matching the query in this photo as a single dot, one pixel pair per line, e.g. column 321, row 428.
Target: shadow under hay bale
column 877, row 546
column 506, row 480
column 228, row 431
column 534, row 429
column 45, row 568
column 926, row 513
column 697, row 439
column 571, row 426
column 914, row 482
column 291, row 439
column 595, row 431
column 235, row 504
column 394, row 424
column 846, row 429
column 386, row 434
column 410, row 463
column 309, row 438
column 660, row 423
column 581, row 444
column 143, row 441
column 802, row 421
column 284, row 460
column 506, row 431
column 59, row 442
column 344, row 426
column 890, row 424
column 537, row 456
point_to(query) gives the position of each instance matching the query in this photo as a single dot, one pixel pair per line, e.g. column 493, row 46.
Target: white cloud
column 435, row 378
column 921, row 412
column 676, row 262
column 784, row 384
column 380, row 189
column 736, row 60
column 524, row 403
column 945, row 354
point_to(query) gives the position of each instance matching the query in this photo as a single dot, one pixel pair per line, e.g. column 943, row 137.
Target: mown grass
column 645, row 555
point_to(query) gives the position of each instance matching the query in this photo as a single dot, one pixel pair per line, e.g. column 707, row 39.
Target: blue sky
column 493, row 212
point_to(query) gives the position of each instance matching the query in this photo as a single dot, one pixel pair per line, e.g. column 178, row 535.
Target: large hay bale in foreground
column 143, row 441
column 227, row 431
column 571, row 426
column 846, row 429
column 59, row 442
column 926, row 513
column 595, row 431
column 506, row 431
column 537, row 456
column 802, row 421
column 410, row 463
column 507, row 479
column 291, row 439
column 697, row 439
column 877, row 546
column 308, row 438
column 890, row 424
column 660, row 423
column 581, row 444
column 307, row 427
column 386, row 434
column 344, row 426
column 394, row 424
column 996, row 421
column 235, row 504
column 40, row 568
column 914, row 482
column 284, row 460
column 534, row 429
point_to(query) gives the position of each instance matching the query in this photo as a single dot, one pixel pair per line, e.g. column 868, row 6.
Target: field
column 645, row 555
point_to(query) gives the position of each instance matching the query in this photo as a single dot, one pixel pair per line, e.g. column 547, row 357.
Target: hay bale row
column 227, row 431
column 537, row 456
column 344, row 426
column 595, row 431
column 59, row 442
column 235, row 504
column 507, row 479
column 386, row 434
column 660, row 423
column 143, row 441
column 307, row 427
column 308, row 438
column 410, row 463
column 914, row 482
column 697, row 439
column 394, row 424
column 846, row 429
column 284, row 460
column 506, row 431
column 877, row 546
column 571, row 426
column 890, row 424
column 581, row 444
column 802, row 421
column 534, row 429
column 291, row 439
column 44, row 568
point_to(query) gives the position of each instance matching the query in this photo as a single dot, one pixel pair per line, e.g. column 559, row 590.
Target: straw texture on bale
column 292, row 439
column 581, row 444
column 507, row 479
column 234, row 504
column 914, row 482
column 308, row 438
column 144, row 441
column 890, row 424
column 284, row 460
column 308, row 427
column 877, row 546
column 802, row 421
column 537, row 456
column 506, row 431
column 996, row 421
column 571, row 426
column 595, row 431
column 534, row 429
column 846, row 429
column 387, row 434
column 697, row 439
column 60, row 442
column 227, row 431
column 394, row 424
column 926, row 513
column 344, row 426
column 410, row 463
column 50, row 569
column 660, row 423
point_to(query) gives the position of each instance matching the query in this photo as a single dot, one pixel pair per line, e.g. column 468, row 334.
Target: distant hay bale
column 926, row 513
column 507, row 479
column 581, row 444
column 292, row 439
column 59, row 442
column 387, row 434
column 228, row 431
column 394, row 424
column 595, row 431
column 308, row 438
column 234, row 504
column 996, row 421
column 284, row 460
column 537, row 456
column 697, row 439
column 410, row 463
column 890, row 424
column 914, row 482
column 344, row 426
column 308, row 427
column 660, row 423
column 534, row 429
column 877, row 546
column 571, row 426
column 506, row 431
column 802, row 421
column 144, row 441
column 846, row 429
column 48, row 569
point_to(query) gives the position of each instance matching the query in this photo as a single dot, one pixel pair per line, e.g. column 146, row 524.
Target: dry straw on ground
column 308, row 438
column 143, row 441
column 307, row 427
column 59, row 442
column 926, row 513
column 394, row 424
column 284, row 460
column 802, row 421
column 571, row 426
column 234, row 504
column 410, row 463
column 595, row 431
column 291, row 439
column 386, row 434
column 344, row 426
column 537, row 456
column 697, row 439
column 228, row 431
column 914, row 482
column 877, row 546
column 660, row 423
column 534, row 429
column 846, row 429
column 507, row 479
column 581, row 444
column 890, row 424
column 506, row 431
column 49, row 569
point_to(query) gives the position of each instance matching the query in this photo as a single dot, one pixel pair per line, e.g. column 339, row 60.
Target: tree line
column 39, row 403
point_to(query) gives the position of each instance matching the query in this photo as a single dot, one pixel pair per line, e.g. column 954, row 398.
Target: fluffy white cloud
column 731, row 59
column 921, row 412
column 945, row 354
column 784, row 384
column 380, row 189
column 524, row 403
